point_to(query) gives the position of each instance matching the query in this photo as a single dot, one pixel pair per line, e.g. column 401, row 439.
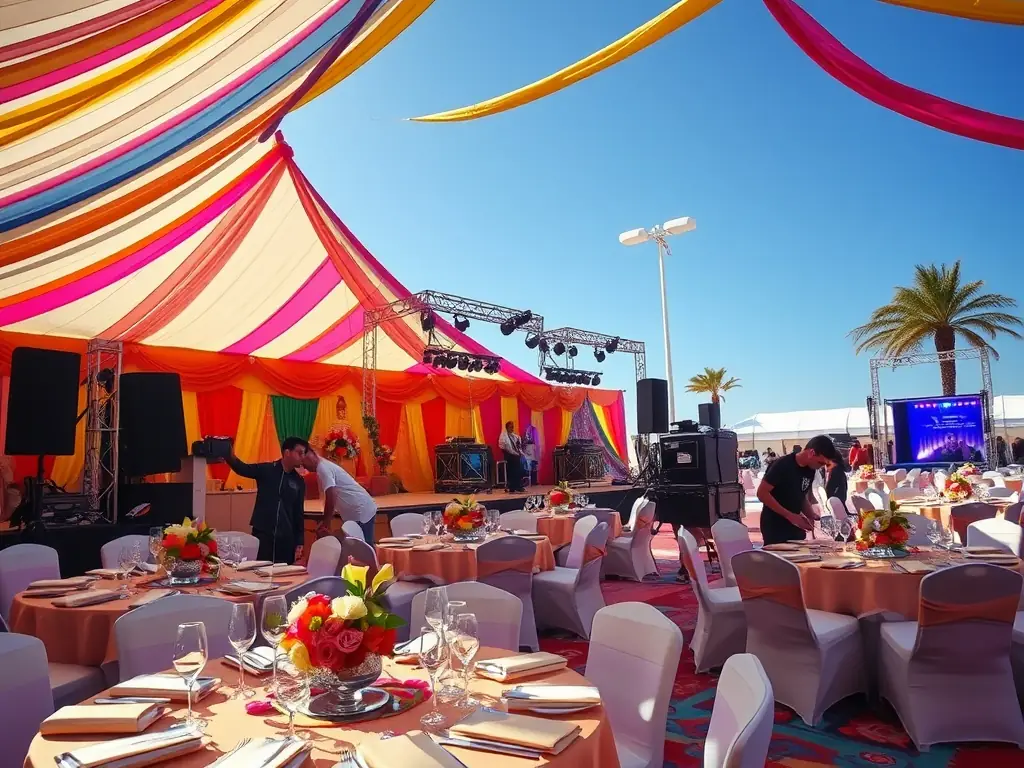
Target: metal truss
column 103, row 413
column 590, row 338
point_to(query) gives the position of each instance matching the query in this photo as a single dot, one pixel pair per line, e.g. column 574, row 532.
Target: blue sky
column 811, row 202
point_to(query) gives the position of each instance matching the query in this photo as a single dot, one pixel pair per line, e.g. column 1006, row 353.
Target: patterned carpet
column 854, row 732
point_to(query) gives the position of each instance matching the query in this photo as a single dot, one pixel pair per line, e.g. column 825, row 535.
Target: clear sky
column 811, row 202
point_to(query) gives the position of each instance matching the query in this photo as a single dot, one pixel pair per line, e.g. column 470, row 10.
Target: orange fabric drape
column 219, row 412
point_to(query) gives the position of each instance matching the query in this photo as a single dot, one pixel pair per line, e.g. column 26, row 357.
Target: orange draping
column 219, row 411
column 551, row 437
column 190, row 407
column 67, row 470
column 432, row 417
column 249, row 437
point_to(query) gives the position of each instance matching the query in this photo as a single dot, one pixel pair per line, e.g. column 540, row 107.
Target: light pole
column 660, row 234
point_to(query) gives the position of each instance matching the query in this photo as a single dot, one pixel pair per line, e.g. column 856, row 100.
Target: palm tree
column 714, row 382
column 940, row 307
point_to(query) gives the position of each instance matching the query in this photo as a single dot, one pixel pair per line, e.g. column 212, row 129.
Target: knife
column 131, row 700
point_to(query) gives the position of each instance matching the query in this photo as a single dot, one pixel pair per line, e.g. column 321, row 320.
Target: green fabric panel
column 293, row 418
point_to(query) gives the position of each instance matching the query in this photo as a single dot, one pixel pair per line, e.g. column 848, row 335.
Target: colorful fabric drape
column 67, row 470
column 249, row 438
column 294, row 417
column 412, row 444
column 190, row 407
column 683, row 12
column 219, row 411
column 999, row 11
column 858, row 75
column 586, row 424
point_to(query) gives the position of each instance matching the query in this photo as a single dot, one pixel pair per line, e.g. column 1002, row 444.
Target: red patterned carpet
column 854, row 732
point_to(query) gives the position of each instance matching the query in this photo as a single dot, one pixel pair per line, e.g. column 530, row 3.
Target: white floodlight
column 681, row 225
column 634, row 237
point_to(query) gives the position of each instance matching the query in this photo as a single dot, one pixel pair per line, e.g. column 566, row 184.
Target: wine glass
column 156, row 538
column 274, row 623
column 242, row 634
column 464, row 641
column 125, row 565
column 436, row 607
column 528, row 504
column 291, row 689
column 428, row 524
column 828, row 527
column 432, row 655
column 845, row 529
column 191, row 653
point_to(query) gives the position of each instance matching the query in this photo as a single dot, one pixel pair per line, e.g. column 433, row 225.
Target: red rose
column 898, row 534
column 380, row 641
column 332, row 628
column 329, row 656
column 349, row 640
column 171, row 542
column 212, row 544
column 191, row 552
column 882, row 539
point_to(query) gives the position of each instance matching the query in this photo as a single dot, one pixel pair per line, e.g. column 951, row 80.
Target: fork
column 224, row 758
column 347, row 758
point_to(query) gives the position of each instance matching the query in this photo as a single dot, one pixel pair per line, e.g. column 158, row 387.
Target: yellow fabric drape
column 412, row 460
column 998, row 11
column 327, row 417
column 478, row 425
column 458, row 422
column 270, row 442
column 67, row 470
column 190, row 406
column 249, row 436
column 566, row 426
column 643, row 36
column 537, row 420
column 510, row 412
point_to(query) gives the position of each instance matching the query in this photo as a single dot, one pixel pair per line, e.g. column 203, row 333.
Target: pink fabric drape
column 856, row 74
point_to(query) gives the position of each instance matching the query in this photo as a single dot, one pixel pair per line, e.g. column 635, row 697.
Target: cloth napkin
column 264, row 754
column 112, row 718
column 179, row 741
column 164, row 686
column 89, row 597
column 799, row 557
column 523, row 665
column 916, row 566
column 550, row 696
column 150, row 595
column 985, row 551
column 782, row 547
column 105, row 573
column 841, row 563
column 258, row 661
column 408, row 653
column 428, row 547
column 395, row 540
column 412, row 750
column 55, row 592
column 282, row 570
column 250, row 564
column 247, row 587
column 519, row 730
column 74, row 581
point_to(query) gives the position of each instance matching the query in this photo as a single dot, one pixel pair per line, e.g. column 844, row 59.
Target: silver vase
column 182, row 572
column 342, row 696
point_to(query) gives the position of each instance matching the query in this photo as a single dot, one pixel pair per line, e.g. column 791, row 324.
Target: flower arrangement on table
column 867, row 472
column 464, row 518
column 384, row 454
column 340, row 444
column 968, row 470
column 957, row 487
column 882, row 529
column 560, row 498
column 188, row 550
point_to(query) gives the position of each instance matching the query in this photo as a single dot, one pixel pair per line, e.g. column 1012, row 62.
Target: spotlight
column 599, row 354
column 427, row 321
column 559, row 348
column 596, row 381
column 612, row 345
column 438, row 361
column 507, row 326
column 544, row 346
column 573, row 351
column 461, row 323
column 427, row 355
column 549, row 375
column 493, row 366
column 452, row 361
column 476, row 366
column 582, row 378
column 532, row 341
column 463, row 362
column 524, row 318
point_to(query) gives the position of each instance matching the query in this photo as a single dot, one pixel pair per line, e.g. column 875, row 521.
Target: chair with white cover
column 633, row 512
column 813, row 658
column 498, row 613
column 992, row 475
column 962, row 515
column 324, row 557
column 995, row 532
column 110, row 552
column 1002, row 492
column 351, row 528
column 919, row 525
column 332, row 586
column 631, row 557
column 721, row 622
column 905, row 492
column 20, row 565
column 924, row 479
column 821, row 499
column 146, row 635
column 507, row 563
column 1012, row 513
column 635, row 642
column 608, row 516
column 730, row 537
column 940, row 693
column 913, row 475
column 939, row 480
column 520, row 520
column 877, row 499
column 250, row 544
column 25, row 697
column 406, row 523
column 861, row 503
column 837, row 508
column 573, row 551
column 399, row 596
column 900, row 475
column 568, row 598
column 742, row 717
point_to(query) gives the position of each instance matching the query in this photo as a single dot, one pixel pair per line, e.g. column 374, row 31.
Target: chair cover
column 332, row 586
column 900, row 475
column 571, row 556
column 861, row 503
column 730, row 537
column 963, row 515
column 406, row 523
column 568, row 598
column 630, row 556
column 20, row 565
column 913, row 475
column 146, row 635
column 919, row 525
column 25, row 698
column 518, row 521
column 324, row 557
column 1012, row 513
column 948, row 675
column 634, row 511
column 742, row 718
column 939, row 480
column 635, row 642
column 603, row 515
column 995, row 533
column 721, row 622
column 838, row 509
column 74, row 683
column 813, row 658
column 905, row 492
column 498, row 613
column 351, row 528
column 507, row 563
column 250, row 544
column 110, row 552
column 877, row 499
column 1017, row 655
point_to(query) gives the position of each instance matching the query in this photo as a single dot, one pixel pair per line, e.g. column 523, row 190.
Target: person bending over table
column 280, row 498
column 343, row 496
column 787, row 513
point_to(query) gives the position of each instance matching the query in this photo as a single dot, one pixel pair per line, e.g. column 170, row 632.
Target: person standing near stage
column 512, row 446
column 787, row 513
column 343, row 496
column 280, row 501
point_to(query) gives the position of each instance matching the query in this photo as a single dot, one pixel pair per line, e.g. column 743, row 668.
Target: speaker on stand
column 152, row 424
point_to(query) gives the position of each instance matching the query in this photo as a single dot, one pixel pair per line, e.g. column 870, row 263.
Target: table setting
column 556, row 514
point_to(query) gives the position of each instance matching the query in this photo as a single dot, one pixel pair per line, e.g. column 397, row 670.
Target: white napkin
column 250, row 564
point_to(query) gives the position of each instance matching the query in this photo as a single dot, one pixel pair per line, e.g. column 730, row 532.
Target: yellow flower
column 348, row 608
column 355, row 574
column 297, row 610
column 384, row 575
column 299, row 656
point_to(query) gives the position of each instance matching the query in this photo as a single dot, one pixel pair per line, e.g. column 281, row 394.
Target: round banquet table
column 558, row 528
column 861, row 486
column 940, row 512
column 85, row 635
column 228, row 723
column 455, row 562
column 1014, row 483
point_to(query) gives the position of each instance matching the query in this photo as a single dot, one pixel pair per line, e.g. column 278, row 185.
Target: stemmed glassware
column 191, row 652
column 829, row 529
column 464, row 642
column 436, row 607
column 242, row 634
column 845, row 529
column 432, row 653
column 275, row 622
column 125, row 564
column 291, row 689
column 156, row 539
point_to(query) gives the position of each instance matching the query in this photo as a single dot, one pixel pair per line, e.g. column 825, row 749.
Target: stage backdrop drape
column 249, row 438
column 294, row 417
column 190, row 407
column 413, row 444
column 219, row 411
column 67, row 470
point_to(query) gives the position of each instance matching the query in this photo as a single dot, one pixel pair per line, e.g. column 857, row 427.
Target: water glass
column 191, row 652
column 274, row 623
column 845, row 530
column 125, row 564
column 464, row 642
column 156, row 537
column 291, row 689
column 241, row 635
column 432, row 654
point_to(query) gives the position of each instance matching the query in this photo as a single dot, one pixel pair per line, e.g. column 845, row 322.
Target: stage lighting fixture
column 573, row 351
column 461, row 323
column 493, row 367
column 427, row 321
column 582, row 379
column 532, row 341
column 599, row 354
column 596, row 381
column 507, row 327
column 523, row 318
column 558, row 349
column 463, row 362
column 549, row 374
column 544, row 346
column 427, row 355
column 438, row 361
column 476, row 366
column 612, row 345
column 452, row 361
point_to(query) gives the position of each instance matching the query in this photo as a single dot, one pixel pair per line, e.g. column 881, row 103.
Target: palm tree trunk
column 945, row 341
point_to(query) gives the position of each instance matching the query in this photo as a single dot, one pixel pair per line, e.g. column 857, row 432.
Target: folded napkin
column 412, row 750
column 55, row 592
column 395, row 540
column 111, row 718
column 524, row 665
column 248, row 565
column 89, row 597
column 841, row 563
column 409, row 652
column 104, row 573
column 1002, row 558
column 164, row 686
column 266, row 753
column 282, row 570
column 782, row 547
column 985, row 551
column 543, row 515
column 74, row 581
column 248, row 587
column 150, row 595
column 395, row 545
column 799, row 557
column 916, row 566
column 258, row 661
column 148, row 748
column 428, row 547
column 518, row 730
column 550, row 696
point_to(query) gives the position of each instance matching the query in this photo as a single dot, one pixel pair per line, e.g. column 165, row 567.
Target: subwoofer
column 152, row 424
column 700, row 458
column 42, row 404
column 651, row 406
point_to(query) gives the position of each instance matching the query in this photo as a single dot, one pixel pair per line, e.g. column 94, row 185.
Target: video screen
column 939, row 429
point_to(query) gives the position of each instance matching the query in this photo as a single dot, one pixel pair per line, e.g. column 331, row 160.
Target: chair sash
column 934, row 612
column 591, row 553
column 783, row 594
column 642, row 522
column 487, row 568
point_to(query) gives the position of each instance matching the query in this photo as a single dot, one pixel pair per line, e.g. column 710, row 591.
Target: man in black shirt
column 280, row 502
column 787, row 513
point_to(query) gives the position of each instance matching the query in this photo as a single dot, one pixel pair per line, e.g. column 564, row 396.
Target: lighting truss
column 569, row 336
column 99, row 482
column 442, row 357
column 561, row 375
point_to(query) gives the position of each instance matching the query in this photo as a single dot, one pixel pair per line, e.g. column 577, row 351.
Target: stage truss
column 878, row 418
column 590, row 339
column 99, row 481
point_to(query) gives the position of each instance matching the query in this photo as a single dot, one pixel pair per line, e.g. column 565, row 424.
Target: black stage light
column 461, row 323
column 452, row 361
column 523, row 318
column 427, row 355
column 493, row 367
column 599, row 354
column 438, row 361
column 612, row 345
column 549, row 375
column 532, row 341
column 596, row 381
column 507, row 326
column 463, row 362
column 476, row 365
column 544, row 346
column 573, row 351
column 582, row 378
column 559, row 348
column 427, row 321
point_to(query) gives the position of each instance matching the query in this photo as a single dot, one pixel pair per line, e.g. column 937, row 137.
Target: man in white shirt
column 512, row 447
column 343, row 496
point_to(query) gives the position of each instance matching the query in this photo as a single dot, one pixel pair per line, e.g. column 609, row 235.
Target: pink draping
column 616, row 416
column 347, row 329
column 549, row 441
column 856, row 74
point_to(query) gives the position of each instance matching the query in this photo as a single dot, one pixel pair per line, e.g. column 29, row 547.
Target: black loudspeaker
column 702, row 458
column 699, row 506
column 651, row 406
column 710, row 415
column 152, row 424
column 42, row 406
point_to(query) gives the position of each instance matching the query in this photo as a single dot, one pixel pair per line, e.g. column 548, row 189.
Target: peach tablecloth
column 456, row 562
column 1015, row 483
column 595, row 747
column 86, row 635
column 941, row 512
column 558, row 528
column 860, row 486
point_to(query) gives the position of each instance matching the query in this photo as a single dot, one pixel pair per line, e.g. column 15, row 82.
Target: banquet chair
column 1002, row 492
column 635, row 642
column 398, row 598
column 813, row 658
column 507, row 563
column 1012, row 513
column 730, row 537
column 568, row 598
column 519, row 520
column 749, row 486
column 920, row 526
column 995, row 532
column 940, row 693
column 498, row 613
column 20, row 565
column 110, row 552
column 993, row 475
column 603, row 515
column 721, row 623
column 406, row 523
column 861, row 503
column 631, row 557
column 25, row 697
column 571, row 555
column 913, row 475
column 633, row 512
column 324, row 557
column 351, row 528
column 905, row 492
column 332, row 586
column 900, row 475
column 838, row 509
column 742, row 717
column 250, row 544
column 146, row 635
column 963, row 515
column 878, row 499
column 939, row 480
column 924, row 479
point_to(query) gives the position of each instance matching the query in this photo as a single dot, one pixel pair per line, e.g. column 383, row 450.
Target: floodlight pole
column 659, row 235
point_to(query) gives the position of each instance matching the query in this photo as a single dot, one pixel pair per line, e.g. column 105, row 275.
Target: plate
column 884, row 553
column 559, row 710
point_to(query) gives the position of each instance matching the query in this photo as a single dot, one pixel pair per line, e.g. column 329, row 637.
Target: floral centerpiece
column 384, row 454
column 560, row 498
column 968, row 470
column 340, row 444
column 867, row 472
column 340, row 641
column 188, row 551
column 883, row 530
column 464, row 518
column 957, row 487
